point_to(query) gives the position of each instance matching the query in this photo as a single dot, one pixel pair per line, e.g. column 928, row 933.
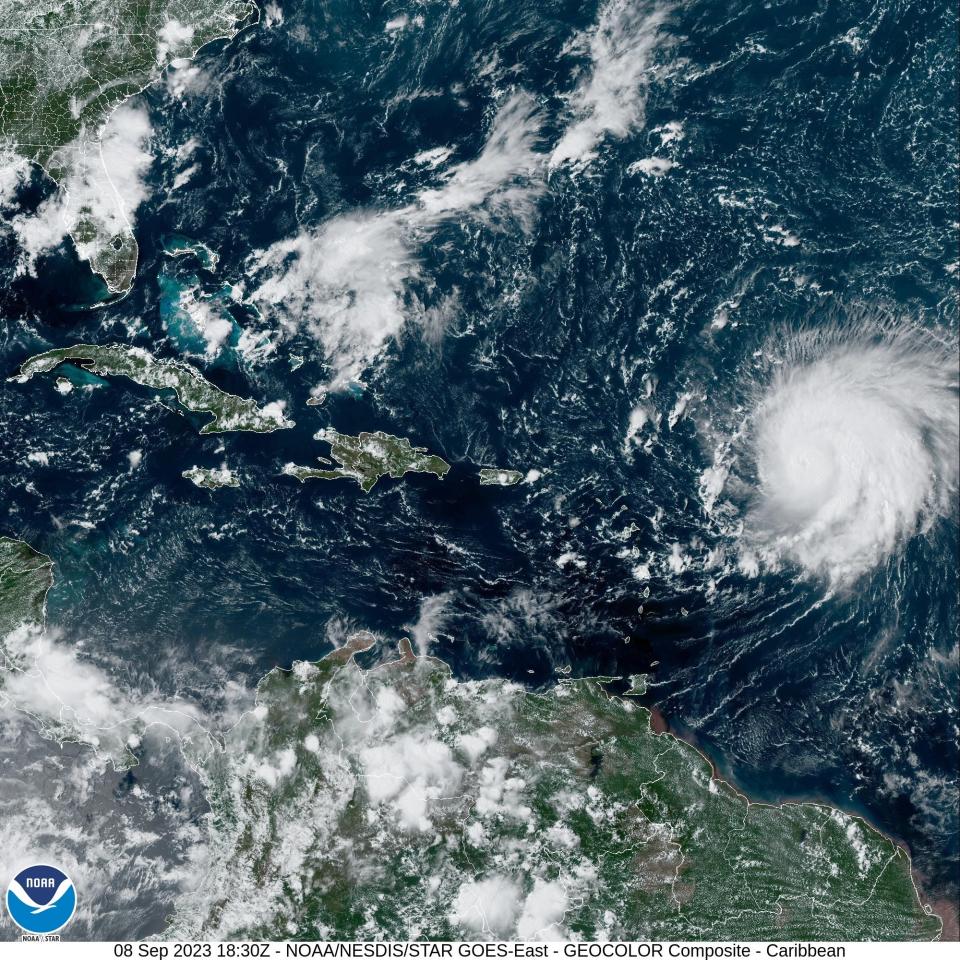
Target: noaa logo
column 41, row 899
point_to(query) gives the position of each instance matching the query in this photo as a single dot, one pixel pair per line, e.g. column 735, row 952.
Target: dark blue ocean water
column 831, row 122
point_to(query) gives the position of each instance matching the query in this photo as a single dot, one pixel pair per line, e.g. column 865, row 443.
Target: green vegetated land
column 368, row 457
column 396, row 802
column 192, row 389
column 495, row 477
column 25, row 578
column 212, row 478
column 65, row 66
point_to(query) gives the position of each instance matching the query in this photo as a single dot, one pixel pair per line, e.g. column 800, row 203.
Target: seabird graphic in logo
column 41, row 899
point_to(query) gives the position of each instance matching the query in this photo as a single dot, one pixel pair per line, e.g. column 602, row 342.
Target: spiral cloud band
column 856, row 450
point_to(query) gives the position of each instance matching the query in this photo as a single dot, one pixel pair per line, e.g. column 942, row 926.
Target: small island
column 368, row 457
column 192, row 389
column 212, row 478
column 494, row 477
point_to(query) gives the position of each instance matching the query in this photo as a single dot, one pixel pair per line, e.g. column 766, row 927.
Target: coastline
column 938, row 904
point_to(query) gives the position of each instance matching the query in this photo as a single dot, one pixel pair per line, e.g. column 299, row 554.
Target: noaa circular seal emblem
column 41, row 899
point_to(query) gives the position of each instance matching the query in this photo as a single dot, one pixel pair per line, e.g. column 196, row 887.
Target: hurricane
column 854, row 445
